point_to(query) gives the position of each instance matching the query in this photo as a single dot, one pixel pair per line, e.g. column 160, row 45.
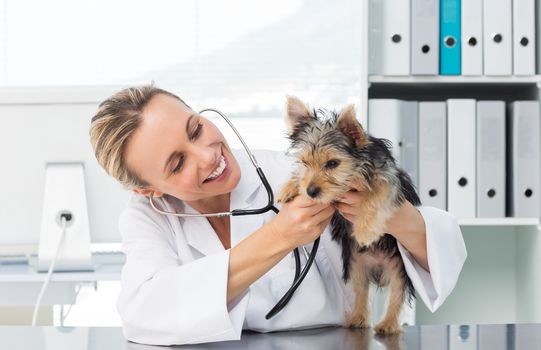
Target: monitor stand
column 65, row 197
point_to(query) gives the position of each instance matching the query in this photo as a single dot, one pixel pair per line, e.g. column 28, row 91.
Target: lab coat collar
column 245, row 193
column 198, row 231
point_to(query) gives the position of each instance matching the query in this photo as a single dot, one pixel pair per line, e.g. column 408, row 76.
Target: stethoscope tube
column 299, row 275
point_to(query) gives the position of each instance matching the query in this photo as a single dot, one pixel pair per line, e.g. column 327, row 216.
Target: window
column 240, row 56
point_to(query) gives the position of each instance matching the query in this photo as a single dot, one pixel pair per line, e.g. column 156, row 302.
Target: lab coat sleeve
column 446, row 255
column 163, row 302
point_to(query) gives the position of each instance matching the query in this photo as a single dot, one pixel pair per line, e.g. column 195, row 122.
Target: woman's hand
column 349, row 205
column 301, row 221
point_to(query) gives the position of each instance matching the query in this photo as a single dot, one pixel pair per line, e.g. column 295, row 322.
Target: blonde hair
column 117, row 118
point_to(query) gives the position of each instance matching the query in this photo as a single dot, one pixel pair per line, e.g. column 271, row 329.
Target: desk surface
column 454, row 337
column 107, row 267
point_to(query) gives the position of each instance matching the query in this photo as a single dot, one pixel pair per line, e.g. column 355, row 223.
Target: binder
column 492, row 337
column 450, row 57
column 497, row 37
column 396, row 121
column 462, row 337
column 461, row 157
column 389, row 37
column 425, row 26
column 409, row 139
column 491, row 159
column 432, row 337
column 525, row 335
column 524, row 37
column 384, row 122
column 433, row 154
column 538, row 38
column 523, row 165
column 472, row 37
column 375, row 39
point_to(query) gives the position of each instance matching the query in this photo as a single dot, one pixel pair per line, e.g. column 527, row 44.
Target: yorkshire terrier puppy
column 332, row 151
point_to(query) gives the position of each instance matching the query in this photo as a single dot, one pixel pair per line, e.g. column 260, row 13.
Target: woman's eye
column 179, row 165
column 331, row 164
column 197, row 131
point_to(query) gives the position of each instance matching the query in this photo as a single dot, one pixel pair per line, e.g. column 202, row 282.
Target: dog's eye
column 331, row 164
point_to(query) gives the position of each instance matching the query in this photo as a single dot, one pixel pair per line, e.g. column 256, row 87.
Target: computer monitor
column 48, row 125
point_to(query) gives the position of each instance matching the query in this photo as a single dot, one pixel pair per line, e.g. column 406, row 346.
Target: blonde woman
column 194, row 280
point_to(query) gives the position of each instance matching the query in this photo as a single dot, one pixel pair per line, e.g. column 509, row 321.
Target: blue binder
column 450, row 37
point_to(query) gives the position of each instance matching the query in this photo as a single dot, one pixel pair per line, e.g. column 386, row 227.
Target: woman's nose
column 207, row 158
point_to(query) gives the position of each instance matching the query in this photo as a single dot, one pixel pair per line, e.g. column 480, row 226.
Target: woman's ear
column 147, row 192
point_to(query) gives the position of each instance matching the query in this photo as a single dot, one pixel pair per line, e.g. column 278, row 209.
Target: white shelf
column 499, row 222
column 456, row 79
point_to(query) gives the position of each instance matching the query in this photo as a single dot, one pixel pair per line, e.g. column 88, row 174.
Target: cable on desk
column 50, row 272
column 64, row 316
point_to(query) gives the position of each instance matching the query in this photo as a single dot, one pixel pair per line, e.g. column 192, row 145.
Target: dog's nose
column 313, row 191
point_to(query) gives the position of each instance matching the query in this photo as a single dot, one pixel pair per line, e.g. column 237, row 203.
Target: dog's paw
column 357, row 320
column 287, row 193
column 388, row 327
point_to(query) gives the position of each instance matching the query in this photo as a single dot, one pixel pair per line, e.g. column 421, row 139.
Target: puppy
column 332, row 151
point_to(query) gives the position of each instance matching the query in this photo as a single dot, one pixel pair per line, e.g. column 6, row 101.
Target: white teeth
column 218, row 170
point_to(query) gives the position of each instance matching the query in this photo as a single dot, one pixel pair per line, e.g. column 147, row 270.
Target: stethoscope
column 299, row 275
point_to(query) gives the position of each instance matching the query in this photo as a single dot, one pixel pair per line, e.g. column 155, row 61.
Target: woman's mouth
column 220, row 172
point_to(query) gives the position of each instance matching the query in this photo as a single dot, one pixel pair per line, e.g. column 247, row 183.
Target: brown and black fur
column 333, row 150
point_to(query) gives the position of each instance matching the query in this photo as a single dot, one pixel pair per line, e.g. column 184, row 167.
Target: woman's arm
column 251, row 258
column 408, row 227
column 299, row 222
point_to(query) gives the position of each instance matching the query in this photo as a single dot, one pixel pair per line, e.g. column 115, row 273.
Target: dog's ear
column 347, row 122
column 297, row 112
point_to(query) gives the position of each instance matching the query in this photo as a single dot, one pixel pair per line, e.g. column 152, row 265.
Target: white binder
column 384, row 122
column 523, row 165
column 538, row 39
column 375, row 40
column 425, row 24
column 391, row 119
column 389, row 37
column 492, row 337
column 433, row 154
column 433, row 337
column 463, row 337
column 472, row 37
column 409, row 139
column 524, row 37
column 526, row 335
column 497, row 39
column 491, row 159
column 461, row 157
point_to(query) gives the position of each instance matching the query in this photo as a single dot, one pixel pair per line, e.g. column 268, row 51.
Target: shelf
column 499, row 222
column 457, row 79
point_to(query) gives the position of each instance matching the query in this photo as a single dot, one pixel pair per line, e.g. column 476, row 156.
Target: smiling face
column 176, row 150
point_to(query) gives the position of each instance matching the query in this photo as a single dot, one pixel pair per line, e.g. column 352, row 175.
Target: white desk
column 20, row 284
column 473, row 337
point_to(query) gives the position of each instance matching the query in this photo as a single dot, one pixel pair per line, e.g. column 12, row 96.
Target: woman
column 194, row 280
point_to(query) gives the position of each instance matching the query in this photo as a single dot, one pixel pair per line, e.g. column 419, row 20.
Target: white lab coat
column 174, row 282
